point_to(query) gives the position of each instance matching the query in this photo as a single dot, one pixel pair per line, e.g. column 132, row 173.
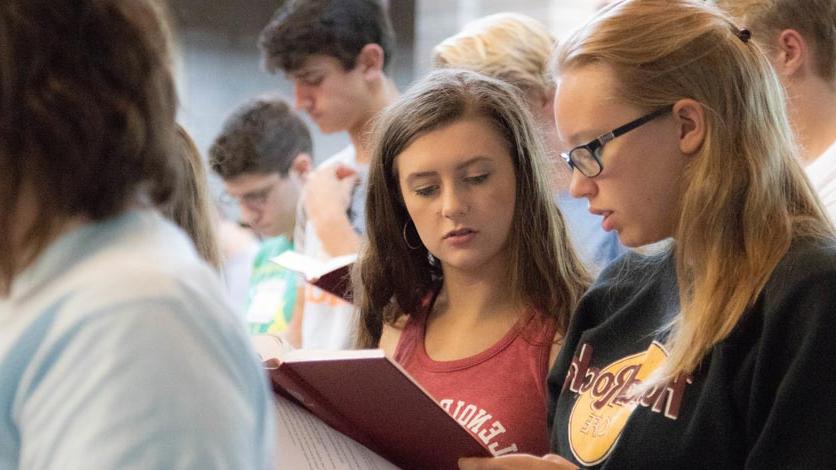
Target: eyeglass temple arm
column 638, row 122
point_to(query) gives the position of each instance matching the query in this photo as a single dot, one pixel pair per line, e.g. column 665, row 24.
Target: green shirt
column 272, row 292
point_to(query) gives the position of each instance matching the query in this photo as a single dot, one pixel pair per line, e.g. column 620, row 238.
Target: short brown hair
column 814, row 19
column 87, row 107
column 262, row 136
column 336, row 28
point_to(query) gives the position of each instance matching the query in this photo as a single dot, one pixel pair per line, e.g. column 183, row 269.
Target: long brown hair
column 390, row 278
column 190, row 206
column 745, row 197
column 87, row 108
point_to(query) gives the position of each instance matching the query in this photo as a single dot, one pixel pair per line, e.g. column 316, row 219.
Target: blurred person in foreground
column 117, row 347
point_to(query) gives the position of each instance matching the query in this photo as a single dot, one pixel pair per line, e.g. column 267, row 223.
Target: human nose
column 249, row 214
column 301, row 97
column 452, row 203
column 581, row 185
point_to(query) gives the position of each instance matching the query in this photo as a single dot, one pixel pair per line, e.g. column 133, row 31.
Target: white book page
column 303, row 442
column 310, row 267
column 269, row 346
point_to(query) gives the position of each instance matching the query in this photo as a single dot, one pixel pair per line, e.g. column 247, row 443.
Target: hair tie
column 744, row 35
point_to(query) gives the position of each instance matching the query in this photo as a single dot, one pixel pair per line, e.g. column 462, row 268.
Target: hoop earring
column 406, row 238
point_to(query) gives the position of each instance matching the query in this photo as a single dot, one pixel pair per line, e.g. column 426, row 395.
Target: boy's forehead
column 315, row 63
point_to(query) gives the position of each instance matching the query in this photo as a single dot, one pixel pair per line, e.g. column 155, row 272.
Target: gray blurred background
column 220, row 68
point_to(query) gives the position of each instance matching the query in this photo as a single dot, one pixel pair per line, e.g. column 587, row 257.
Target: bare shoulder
column 391, row 334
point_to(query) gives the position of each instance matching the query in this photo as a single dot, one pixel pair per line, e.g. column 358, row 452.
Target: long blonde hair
column 745, row 197
column 392, row 278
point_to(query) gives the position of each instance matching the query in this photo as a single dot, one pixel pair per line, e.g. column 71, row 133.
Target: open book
column 368, row 399
column 332, row 276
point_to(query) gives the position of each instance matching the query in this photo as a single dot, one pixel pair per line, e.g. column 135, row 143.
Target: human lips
column 607, row 222
column 460, row 235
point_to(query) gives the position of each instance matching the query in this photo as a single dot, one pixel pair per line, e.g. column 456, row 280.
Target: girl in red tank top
column 468, row 278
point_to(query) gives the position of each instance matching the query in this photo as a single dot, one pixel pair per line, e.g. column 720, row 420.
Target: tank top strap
column 538, row 329
column 412, row 336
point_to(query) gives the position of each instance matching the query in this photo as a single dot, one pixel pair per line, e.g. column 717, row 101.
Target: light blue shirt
column 118, row 351
column 595, row 247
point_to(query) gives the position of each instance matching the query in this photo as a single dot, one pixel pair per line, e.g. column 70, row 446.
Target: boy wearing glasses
column 335, row 52
column 263, row 155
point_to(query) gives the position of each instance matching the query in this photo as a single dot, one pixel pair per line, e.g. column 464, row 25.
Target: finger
column 472, row 463
column 343, row 171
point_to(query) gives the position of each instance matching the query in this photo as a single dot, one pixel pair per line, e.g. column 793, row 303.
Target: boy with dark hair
column 263, row 154
column 800, row 40
column 336, row 53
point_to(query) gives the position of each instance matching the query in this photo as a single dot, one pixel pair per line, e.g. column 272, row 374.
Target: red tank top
column 498, row 394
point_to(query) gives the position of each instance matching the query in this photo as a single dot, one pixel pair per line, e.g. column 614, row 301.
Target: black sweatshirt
column 765, row 397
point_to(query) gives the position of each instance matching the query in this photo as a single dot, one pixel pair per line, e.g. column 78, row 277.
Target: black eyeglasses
column 587, row 157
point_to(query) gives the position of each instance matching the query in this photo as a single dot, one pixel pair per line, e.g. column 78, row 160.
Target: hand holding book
column 369, row 398
column 332, row 275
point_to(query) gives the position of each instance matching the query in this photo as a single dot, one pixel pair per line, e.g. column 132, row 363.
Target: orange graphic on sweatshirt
column 606, row 399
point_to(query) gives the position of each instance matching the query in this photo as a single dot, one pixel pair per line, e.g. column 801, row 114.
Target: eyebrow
column 469, row 162
column 574, row 140
column 303, row 73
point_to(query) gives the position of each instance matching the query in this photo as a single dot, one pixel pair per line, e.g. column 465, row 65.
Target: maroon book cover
column 333, row 275
column 337, row 282
column 371, row 399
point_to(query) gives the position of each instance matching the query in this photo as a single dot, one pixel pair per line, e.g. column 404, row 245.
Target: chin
column 639, row 240
column 464, row 264
column 329, row 127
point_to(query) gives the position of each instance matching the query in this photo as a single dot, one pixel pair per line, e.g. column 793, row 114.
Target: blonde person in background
column 118, row 349
column 717, row 352
column 799, row 38
column 515, row 48
column 190, row 206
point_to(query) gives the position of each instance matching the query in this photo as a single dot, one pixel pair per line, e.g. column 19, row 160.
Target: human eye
column 312, row 80
column 257, row 197
column 477, row 179
column 425, row 191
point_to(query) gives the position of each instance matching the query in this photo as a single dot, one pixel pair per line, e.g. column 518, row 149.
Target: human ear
column 370, row 60
column 301, row 165
column 689, row 116
column 791, row 53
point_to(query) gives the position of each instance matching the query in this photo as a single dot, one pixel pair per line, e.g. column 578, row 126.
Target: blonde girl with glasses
column 715, row 353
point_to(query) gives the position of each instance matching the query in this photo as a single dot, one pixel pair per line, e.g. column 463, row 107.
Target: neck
column 474, row 296
column 383, row 94
column 811, row 106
